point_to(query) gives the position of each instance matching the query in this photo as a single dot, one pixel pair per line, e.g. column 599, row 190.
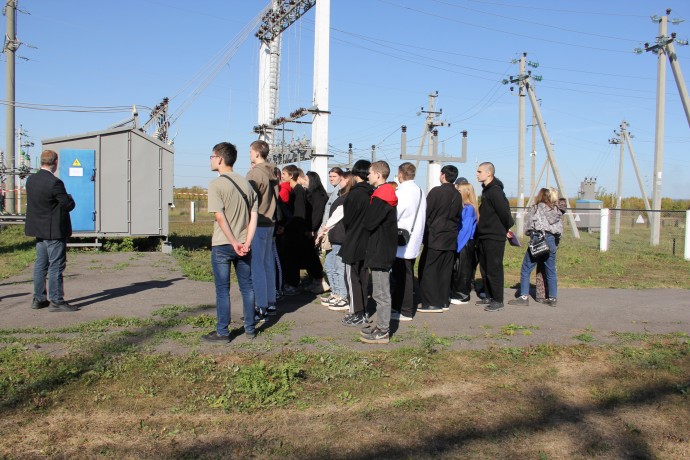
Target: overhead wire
column 469, row 24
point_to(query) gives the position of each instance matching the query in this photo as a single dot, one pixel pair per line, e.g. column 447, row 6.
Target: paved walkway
column 135, row 284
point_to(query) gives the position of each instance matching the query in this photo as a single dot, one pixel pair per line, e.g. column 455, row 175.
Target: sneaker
column 464, row 301
column 483, row 301
column 376, row 336
column 62, row 307
column 522, row 300
column 494, row 306
column 397, row 316
column 445, row 307
column 355, row 319
column 540, row 300
column 328, row 300
column 271, row 310
column 215, row 337
column 551, row 302
column 340, row 305
column 38, row 304
column 429, row 309
column 290, row 290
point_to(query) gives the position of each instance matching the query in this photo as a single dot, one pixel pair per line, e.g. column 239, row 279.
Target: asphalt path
column 107, row 285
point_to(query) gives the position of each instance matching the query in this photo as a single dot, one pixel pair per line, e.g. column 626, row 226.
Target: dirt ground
column 135, row 284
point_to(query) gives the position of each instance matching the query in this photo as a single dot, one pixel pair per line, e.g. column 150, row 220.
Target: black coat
column 494, row 213
column 336, row 235
column 47, row 207
column 382, row 224
column 354, row 212
column 443, row 211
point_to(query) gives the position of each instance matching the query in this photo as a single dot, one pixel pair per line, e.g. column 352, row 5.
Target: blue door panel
column 77, row 169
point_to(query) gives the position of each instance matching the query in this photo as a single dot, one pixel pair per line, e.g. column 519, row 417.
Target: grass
column 619, row 400
column 103, row 388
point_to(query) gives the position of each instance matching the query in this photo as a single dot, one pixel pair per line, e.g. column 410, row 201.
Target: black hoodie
column 494, row 213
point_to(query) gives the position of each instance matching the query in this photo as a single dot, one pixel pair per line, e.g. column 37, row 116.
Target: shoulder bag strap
column 417, row 213
column 244, row 195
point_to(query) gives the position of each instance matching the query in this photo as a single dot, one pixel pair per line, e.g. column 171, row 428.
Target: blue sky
column 386, row 57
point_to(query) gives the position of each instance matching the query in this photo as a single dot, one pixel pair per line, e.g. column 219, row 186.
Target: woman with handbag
column 544, row 226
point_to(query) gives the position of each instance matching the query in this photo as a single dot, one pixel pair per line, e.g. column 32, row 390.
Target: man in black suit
column 47, row 218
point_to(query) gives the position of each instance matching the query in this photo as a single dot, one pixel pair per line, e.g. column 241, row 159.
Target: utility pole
column 533, row 152
column 621, row 143
column 663, row 47
column 526, row 79
column 521, row 136
column 11, row 46
column 521, row 146
column 430, row 131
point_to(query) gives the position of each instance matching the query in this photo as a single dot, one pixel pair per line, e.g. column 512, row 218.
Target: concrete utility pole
column 621, row 143
column 319, row 128
column 533, row 152
column 663, row 47
column 11, row 46
column 521, row 135
column 521, row 146
column 430, row 131
column 526, row 80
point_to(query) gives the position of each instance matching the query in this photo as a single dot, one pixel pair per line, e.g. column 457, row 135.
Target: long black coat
column 47, row 208
column 355, row 207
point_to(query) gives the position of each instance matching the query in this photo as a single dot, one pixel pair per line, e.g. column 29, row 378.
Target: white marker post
column 604, row 231
column 687, row 235
column 192, row 216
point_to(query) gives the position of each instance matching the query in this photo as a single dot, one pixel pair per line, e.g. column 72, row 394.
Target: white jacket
column 410, row 197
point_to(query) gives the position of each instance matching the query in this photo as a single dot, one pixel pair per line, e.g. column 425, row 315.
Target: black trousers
column 434, row 283
column 403, row 287
column 463, row 272
column 357, row 280
column 490, row 253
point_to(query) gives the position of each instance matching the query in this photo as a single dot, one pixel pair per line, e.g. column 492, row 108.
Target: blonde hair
column 553, row 194
column 468, row 196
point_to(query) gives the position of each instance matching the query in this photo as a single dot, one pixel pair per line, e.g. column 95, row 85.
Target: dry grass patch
column 617, row 401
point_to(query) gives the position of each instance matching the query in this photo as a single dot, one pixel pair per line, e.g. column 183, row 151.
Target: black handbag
column 538, row 247
column 404, row 234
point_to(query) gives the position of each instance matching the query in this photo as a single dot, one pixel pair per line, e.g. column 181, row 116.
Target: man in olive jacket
column 47, row 218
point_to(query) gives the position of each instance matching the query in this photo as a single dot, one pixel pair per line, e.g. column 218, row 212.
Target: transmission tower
column 283, row 14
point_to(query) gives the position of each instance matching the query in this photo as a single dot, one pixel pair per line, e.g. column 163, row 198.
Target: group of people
column 272, row 223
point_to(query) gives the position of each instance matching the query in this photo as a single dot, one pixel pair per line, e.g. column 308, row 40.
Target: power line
column 526, row 21
column 469, row 24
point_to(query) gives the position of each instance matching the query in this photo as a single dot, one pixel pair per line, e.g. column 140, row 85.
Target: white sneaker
column 460, row 301
column 397, row 316
column 328, row 300
column 340, row 305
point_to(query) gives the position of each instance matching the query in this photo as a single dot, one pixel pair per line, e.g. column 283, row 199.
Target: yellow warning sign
column 76, row 163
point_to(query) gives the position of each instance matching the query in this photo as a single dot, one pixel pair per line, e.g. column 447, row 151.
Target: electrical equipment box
column 121, row 180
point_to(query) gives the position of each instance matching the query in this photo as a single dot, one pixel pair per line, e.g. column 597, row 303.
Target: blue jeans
column 51, row 260
column 529, row 263
column 221, row 257
column 263, row 267
column 335, row 270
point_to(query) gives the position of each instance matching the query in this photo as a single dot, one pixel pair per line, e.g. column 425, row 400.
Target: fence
column 632, row 226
